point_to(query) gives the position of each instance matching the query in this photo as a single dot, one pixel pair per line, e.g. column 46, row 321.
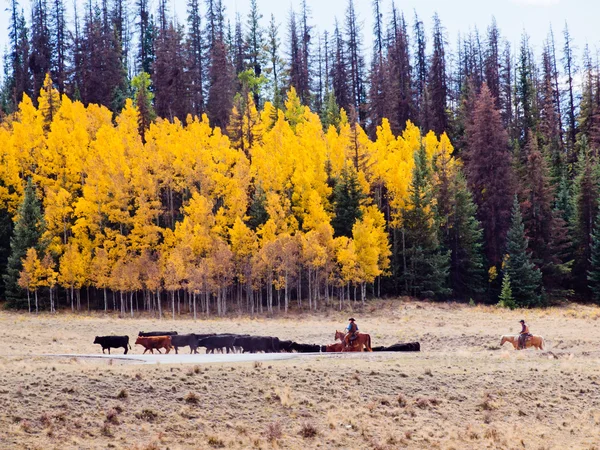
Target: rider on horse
column 351, row 332
column 524, row 334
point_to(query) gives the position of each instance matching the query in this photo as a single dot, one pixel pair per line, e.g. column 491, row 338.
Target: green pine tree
column 27, row 233
column 593, row 275
column 257, row 211
column 506, row 299
column 427, row 265
column 142, row 93
column 347, row 199
column 465, row 241
column 526, row 279
column 331, row 112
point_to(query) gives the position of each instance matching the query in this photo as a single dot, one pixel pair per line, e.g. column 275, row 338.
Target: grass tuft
column 123, row 394
column 192, row 398
column 273, row 432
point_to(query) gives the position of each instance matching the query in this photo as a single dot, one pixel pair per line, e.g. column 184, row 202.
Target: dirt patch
column 462, row 391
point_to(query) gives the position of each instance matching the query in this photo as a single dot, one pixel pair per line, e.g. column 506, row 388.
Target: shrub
column 308, row 430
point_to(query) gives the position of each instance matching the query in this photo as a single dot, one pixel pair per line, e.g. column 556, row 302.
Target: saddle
column 523, row 338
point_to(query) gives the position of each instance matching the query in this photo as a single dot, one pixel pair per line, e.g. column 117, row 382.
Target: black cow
column 108, row 342
column 218, row 341
column 407, row 347
column 285, row 346
column 157, row 333
column 380, row 348
column 306, row 348
column 184, row 340
column 256, row 344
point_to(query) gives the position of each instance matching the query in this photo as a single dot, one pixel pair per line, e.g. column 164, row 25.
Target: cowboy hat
column 521, row 321
column 351, row 319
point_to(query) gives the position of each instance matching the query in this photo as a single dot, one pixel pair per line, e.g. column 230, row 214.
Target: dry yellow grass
column 461, row 392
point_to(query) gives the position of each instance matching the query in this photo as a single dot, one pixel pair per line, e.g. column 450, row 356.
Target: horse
column 532, row 341
column 337, row 347
column 362, row 341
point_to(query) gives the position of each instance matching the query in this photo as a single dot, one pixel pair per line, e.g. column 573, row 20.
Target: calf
column 185, row 340
column 157, row 333
column 108, row 342
column 154, row 342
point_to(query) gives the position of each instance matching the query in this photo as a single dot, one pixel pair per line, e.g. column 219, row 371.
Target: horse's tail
column 541, row 343
column 369, row 343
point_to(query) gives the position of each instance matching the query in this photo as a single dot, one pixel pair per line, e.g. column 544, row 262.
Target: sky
column 512, row 16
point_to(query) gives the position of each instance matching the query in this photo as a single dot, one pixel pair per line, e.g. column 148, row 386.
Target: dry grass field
column 461, row 392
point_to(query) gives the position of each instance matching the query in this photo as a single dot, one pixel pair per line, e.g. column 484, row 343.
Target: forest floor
column 462, row 391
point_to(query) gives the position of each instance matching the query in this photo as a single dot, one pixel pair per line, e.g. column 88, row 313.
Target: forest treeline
column 213, row 167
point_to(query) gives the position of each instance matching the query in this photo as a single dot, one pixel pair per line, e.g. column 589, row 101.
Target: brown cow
column 154, row 342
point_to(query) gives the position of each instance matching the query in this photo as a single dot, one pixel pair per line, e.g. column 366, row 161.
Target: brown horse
column 337, row 347
column 532, row 341
column 362, row 341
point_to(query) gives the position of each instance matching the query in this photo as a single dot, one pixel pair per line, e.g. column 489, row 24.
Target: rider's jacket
column 525, row 329
column 352, row 327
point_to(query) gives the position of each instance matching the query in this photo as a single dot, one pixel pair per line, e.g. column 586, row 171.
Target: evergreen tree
column 16, row 81
column 27, row 234
column 339, row 73
column 143, row 95
column 195, row 63
column 492, row 62
column 6, row 227
column 221, row 85
column 464, row 239
column 527, row 117
column 397, row 75
column 347, row 199
column 170, row 79
column 420, row 75
column 59, row 44
column 255, row 46
column 356, row 62
column 427, row 265
column 275, row 64
column 490, row 173
column 585, row 208
column 570, row 71
column 437, row 87
column 537, row 206
column 145, row 56
column 593, row 274
column 331, row 112
column 506, row 299
column 525, row 278
column 40, row 56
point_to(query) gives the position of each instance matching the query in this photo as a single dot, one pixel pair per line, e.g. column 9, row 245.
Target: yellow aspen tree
column 243, row 245
column 372, row 247
column 101, row 267
column 30, row 276
column 346, row 267
column 72, row 273
column 49, row 278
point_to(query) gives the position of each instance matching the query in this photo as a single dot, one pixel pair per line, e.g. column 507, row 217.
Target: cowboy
column 351, row 332
column 524, row 334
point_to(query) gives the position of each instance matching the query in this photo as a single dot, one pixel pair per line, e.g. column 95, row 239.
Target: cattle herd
column 230, row 343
